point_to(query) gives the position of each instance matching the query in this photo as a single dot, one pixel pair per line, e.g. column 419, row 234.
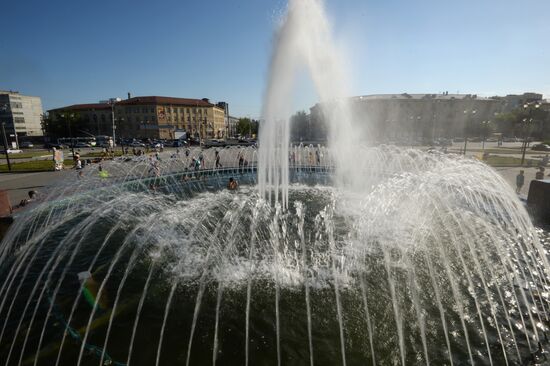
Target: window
column 19, row 120
column 103, row 118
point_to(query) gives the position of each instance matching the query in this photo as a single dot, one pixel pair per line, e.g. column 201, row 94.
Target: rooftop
column 166, row 100
column 408, row 96
column 82, row 107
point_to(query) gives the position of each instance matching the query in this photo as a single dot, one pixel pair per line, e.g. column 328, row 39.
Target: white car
column 12, row 151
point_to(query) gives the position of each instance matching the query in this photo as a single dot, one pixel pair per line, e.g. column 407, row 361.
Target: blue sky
column 73, row 51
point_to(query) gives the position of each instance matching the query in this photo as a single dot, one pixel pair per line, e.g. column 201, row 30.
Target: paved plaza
column 18, row 184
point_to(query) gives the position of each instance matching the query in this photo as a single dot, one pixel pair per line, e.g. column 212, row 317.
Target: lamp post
column 527, row 122
column 5, row 108
column 68, row 118
column 121, row 119
column 466, row 113
column 484, row 127
column 6, row 145
column 112, row 102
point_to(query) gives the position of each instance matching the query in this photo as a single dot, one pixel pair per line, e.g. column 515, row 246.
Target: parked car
column 82, row 144
column 136, row 144
column 26, row 144
column 51, row 145
column 541, row 147
column 179, row 143
column 11, row 151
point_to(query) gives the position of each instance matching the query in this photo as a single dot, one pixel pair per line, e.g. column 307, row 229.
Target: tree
column 247, row 127
column 513, row 123
column 300, row 126
column 243, row 127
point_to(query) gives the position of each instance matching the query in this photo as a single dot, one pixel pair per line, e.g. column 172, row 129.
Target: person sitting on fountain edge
column 232, row 185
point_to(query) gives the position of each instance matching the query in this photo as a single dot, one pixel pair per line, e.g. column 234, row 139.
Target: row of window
column 176, row 110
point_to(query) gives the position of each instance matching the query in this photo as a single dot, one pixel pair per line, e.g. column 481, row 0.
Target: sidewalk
column 19, row 184
column 509, row 174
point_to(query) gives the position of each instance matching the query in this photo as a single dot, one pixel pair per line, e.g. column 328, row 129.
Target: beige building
column 416, row 117
column 144, row 117
column 162, row 117
column 21, row 113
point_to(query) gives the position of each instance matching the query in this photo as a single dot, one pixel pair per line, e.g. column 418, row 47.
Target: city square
column 285, row 209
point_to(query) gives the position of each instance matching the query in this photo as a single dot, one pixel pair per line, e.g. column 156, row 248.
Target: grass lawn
column 28, row 155
column 35, row 165
column 98, row 154
column 503, row 161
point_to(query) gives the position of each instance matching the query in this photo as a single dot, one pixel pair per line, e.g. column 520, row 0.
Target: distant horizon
column 544, row 97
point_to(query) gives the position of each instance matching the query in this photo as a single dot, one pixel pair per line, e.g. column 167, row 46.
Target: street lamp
column 526, row 124
column 5, row 108
column 466, row 113
column 484, row 127
column 68, row 118
column 112, row 102
column 6, row 145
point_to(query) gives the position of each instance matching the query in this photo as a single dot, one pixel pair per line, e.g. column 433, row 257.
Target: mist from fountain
column 304, row 40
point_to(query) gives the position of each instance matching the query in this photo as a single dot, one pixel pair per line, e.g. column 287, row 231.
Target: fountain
column 399, row 257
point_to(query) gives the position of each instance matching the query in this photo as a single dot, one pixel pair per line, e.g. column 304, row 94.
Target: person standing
column 218, row 164
column 318, row 157
column 540, row 174
column 520, row 180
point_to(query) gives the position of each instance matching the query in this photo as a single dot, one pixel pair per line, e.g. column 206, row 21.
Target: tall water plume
column 304, row 40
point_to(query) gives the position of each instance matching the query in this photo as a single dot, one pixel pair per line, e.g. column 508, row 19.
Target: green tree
column 300, row 126
column 247, row 127
column 244, row 126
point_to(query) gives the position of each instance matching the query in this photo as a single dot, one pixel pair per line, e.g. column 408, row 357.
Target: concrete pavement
column 19, row 184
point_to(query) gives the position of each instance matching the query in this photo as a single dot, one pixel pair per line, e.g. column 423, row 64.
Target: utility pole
column 6, row 145
column 113, row 119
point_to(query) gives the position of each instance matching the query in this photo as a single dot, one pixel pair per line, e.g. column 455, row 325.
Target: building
column 22, row 114
column 420, row 117
column 163, row 117
column 233, row 122
column 93, row 119
column 150, row 117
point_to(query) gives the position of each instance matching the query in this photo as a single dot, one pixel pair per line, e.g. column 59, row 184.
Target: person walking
column 520, row 180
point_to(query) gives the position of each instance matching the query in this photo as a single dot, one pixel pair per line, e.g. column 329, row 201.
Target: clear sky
column 74, row 51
